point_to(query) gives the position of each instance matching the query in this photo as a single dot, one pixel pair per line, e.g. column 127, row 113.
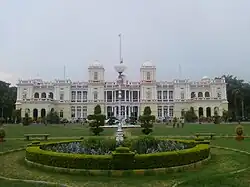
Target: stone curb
column 24, row 180
column 232, row 172
column 118, row 173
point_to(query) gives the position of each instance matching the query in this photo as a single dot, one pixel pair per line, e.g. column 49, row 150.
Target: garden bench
column 28, row 136
column 205, row 134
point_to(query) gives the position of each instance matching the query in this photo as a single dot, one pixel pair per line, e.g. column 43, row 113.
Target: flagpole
column 64, row 72
column 120, row 36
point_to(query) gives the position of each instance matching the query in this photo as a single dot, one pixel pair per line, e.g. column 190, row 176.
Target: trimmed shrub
column 121, row 159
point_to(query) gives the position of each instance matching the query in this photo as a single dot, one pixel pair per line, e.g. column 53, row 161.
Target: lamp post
column 120, row 68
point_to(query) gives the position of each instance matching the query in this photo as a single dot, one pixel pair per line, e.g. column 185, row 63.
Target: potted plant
column 2, row 134
column 239, row 132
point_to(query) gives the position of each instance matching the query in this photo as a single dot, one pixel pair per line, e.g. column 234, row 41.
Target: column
column 168, row 95
column 162, row 96
column 168, row 111
column 81, row 115
column 76, row 96
column 115, row 112
column 125, row 110
column 162, row 111
column 76, row 112
column 129, row 111
column 131, row 96
column 82, row 97
column 125, row 95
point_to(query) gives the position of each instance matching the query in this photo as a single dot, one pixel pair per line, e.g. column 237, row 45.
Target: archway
column 208, row 111
column 43, row 113
column 52, row 110
column 51, row 95
column 36, row 95
column 192, row 95
column 35, row 113
column 200, row 94
column 43, row 95
column 216, row 111
column 200, row 111
column 207, row 94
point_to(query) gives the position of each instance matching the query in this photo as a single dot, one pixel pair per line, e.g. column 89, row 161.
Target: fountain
column 120, row 68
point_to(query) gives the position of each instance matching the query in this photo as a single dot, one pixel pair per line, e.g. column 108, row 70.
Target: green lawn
column 214, row 173
column 76, row 130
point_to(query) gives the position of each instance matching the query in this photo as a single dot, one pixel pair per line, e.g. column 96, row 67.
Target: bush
column 239, row 130
column 27, row 120
column 121, row 159
column 147, row 121
column 97, row 121
column 2, row 133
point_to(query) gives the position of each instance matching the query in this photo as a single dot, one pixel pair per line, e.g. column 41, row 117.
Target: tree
column 27, row 120
column 190, row 115
column 97, row 120
column 52, row 118
column 216, row 118
column 147, row 121
column 7, row 99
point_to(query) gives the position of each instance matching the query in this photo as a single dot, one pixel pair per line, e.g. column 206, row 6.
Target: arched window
column 36, row 95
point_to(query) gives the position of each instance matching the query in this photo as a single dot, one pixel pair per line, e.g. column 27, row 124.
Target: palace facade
column 74, row 100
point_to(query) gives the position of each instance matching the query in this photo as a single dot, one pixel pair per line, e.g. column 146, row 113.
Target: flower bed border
column 112, row 172
column 119, row 173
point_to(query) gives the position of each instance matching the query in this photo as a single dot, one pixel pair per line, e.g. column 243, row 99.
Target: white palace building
column 76, row 100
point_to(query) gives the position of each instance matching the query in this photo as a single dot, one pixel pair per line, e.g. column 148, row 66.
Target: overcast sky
column 206, row 37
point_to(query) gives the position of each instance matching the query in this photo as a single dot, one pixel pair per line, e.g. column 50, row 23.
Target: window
column 159, row 111
column 95, row 96
column 78, row 112
column 61, row 96
column 171, row 111
column 135, row 96
column 84, row 96
column 84, row 111
column 171, row 95
column 148, row 76
column 165, row 95
column 218, row 93
column 159, row 95
column 73, row 96
column 61, row 114
column 182, row 94
column 148, row 94
column 24, row 95
column 165, row 111
column 73, row 112
column 79, row 96
column 95, row 76
column 109, row 96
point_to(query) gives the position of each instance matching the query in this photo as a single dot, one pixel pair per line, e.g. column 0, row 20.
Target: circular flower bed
column 97, row 146
column 100, row 154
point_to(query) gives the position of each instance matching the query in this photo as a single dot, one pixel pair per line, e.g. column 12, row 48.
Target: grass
column 76, row 130
column 214, row 173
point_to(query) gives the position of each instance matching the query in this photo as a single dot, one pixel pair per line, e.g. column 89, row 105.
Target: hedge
column 118, row 160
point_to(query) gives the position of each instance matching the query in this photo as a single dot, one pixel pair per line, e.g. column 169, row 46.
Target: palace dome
column 96, row 64
column 147, row 64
